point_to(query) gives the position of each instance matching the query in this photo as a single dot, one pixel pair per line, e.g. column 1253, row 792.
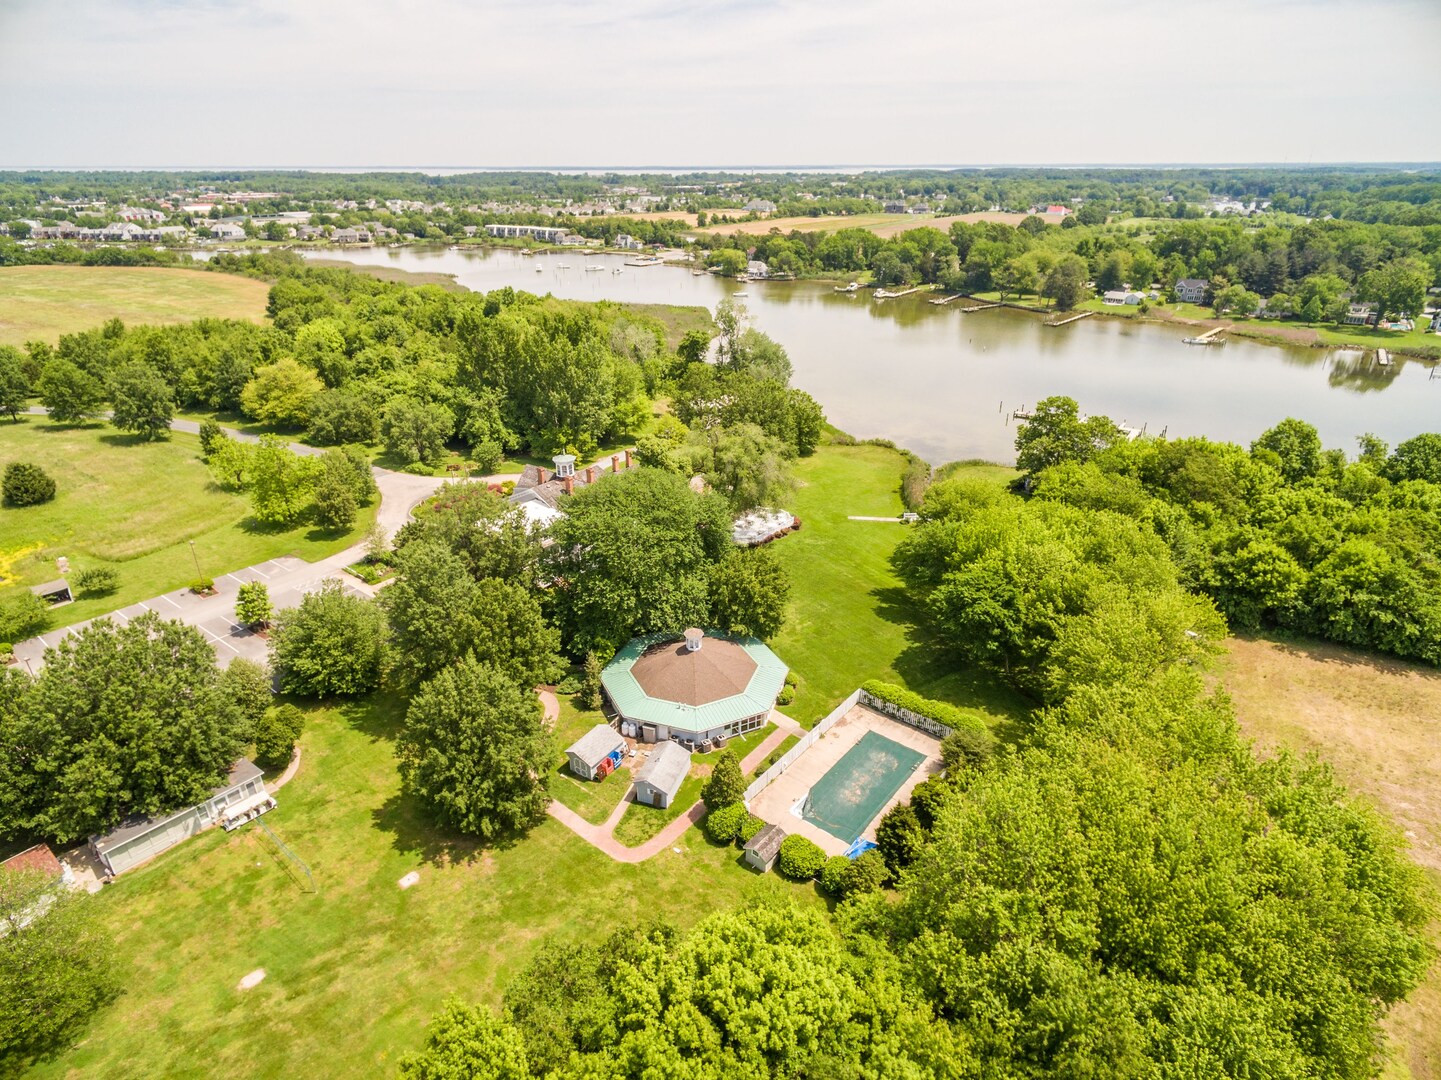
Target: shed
column 137, row 838
column 54, row 592
column 658, row 780
column 596, row 753
column 764, row 847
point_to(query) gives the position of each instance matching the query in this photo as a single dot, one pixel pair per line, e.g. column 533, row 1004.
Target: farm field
column 134, row 506
column 43, row 302
column 849, row 619
column 355, row 968
column 1373, row 720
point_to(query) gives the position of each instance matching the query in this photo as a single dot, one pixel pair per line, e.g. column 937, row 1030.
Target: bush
column 23, row 615
column 749, row 827
column 26, row 484
column 967, row 748
column 276, row 733
column 203, row 586
column 800, row 859
column 866, row 874
column 940, row 711
column 900, row 838
column 834, row 873
column 786, row 696
column 723, row 825
column 487, row 456
column 97, row 580
column 568, row 685
column 726, row 784
column 211, row 436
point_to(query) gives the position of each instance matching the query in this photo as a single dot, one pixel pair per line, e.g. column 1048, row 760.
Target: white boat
column 852, row 287
column 644, row 260
column 562, row 266
column 593, row 266
column 741, row 293
column 540, row 269
column 526, row 251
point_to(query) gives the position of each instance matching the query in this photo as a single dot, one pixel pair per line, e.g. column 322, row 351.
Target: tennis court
column 854, row 790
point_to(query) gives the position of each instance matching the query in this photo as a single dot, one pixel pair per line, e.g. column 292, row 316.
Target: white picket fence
column 786, row 760
column 905, row 716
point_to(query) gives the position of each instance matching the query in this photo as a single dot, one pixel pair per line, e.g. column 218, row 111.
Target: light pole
column 198, row 575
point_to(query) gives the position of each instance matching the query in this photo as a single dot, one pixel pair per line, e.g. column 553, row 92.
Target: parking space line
column 172, row 603
column 216, row 637
column 259, row 571
column 242, row 581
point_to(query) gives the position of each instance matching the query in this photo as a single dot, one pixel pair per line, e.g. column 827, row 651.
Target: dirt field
column 1376, row 721
column 775, row 802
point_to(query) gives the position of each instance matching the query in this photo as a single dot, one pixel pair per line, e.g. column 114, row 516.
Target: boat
column 697, row 273
column 617, row 270
column 526, row 251
column 852, row 287
column 644, row 260
column 540, row 269
column 1383, row 358
column 741, row 293
column 1203, row 341
column 593, row 266
column 562, row 266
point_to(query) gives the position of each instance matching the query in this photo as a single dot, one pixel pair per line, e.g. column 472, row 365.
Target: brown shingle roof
column 671, row 672
column 40, row 857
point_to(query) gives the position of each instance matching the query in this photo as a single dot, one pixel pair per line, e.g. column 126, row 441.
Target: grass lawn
column 1374, row 720
column 134, row 506
column 774, row 756
column 591, row 800
column 43, row 302
column 354, row 970
column 849, row 618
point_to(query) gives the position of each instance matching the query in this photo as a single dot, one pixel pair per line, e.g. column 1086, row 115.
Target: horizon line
column 751, row 167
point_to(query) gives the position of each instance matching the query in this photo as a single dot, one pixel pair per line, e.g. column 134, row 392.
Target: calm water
column 941, row 382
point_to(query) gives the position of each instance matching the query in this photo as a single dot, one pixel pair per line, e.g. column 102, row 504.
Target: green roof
column 708, row 710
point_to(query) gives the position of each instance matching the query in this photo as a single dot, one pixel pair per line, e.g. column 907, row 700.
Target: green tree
column 276, row 733
column 340, row 416
column 800, row 858
column 1296, row 444
column 14, row 383
column 280, row 482
column 69, row 394
column 231, row 463
column 726, row 785
column 589, row 694
column 1066, row 283
column 416, row 431
column 475, row 751
column 1397, row 288
column 252, row 604
column 142, row 401
column 635, row 554
column 900, row 838
column 749, row 590
column 211, row 436
column 694, row 346
column 1055, row 432
column 335, row 503
column 27, row 484
column 466, row 1042
column 281, row 393
column 57, row 969
column 121, row 720
column 247, row 685
column 1418, row 458
column 745, row 465
column 23, row 615
column 329, row 646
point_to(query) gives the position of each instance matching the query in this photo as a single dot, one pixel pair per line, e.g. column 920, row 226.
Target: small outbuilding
column 138, row 839
column 597, row 753
column 54, row 592
column 658, row 780
column 764, row 848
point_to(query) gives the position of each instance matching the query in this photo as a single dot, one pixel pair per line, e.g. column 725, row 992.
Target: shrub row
column 940, row 711
column 733, row 823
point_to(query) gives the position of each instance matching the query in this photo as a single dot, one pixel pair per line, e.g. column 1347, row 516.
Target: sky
column 635, row 83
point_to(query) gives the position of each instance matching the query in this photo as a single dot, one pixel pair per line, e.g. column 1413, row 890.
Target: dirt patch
column 1376, row 721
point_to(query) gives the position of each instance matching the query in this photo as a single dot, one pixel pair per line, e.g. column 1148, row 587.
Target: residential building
column 538, row 491
column 1116, row 297
column 225, row 230
column 626, row 242
column 893, row 206
column 545, row 233
column 1191, row 290
column 755, row 269
column 760, row 206
column 1361, row 315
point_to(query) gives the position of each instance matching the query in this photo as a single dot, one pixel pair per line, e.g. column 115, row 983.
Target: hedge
column 723, row 825
column 940, row 711
column 800, row 859
column 749, row 827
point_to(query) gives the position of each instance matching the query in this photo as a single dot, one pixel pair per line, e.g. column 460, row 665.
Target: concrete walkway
column 602, row 836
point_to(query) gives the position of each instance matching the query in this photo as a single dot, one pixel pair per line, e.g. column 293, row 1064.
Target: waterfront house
column 225, row 230
column 760, row 206
column 626, row 242
column 757, row 270
column 1191, row 290
column 1361, row 315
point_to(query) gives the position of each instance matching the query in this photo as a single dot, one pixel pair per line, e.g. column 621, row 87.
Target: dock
column 1208, row 338
column 883, row 294
column 1071, row 319
column 938, row 301
column 981, row 307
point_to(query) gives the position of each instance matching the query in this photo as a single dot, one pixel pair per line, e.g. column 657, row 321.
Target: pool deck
column 777, row 803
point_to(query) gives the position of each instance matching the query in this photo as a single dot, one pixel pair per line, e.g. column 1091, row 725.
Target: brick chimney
column 541, row 474
column 569, row 484
column 627, row 459
column 590, row 474
column 615, row 463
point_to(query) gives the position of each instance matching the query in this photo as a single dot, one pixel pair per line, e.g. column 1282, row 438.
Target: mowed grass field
column 849, row 618
column 1375, row 721
column 135, row 506
column 39, row 303
column 355, row 968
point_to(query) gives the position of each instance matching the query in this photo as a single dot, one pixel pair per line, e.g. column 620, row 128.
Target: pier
column 938, row 301
column 1208, row 338
column 1071, row 319
column 883, row 294
column 981, row 307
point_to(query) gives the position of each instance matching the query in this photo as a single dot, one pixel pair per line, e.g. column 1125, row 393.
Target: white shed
column 658, row 780
column 596, row 753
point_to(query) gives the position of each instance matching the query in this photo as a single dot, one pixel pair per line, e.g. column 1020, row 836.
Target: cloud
column 566, row 82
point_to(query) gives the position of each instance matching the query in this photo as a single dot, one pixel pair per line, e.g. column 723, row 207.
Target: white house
column 757, row 269
column 626, row 242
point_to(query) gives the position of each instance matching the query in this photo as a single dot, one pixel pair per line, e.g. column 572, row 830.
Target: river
column 942, row 383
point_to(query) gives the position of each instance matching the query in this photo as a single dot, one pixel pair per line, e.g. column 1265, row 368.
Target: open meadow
column 356, row 966
column 43, row 302
column 134, row 506
column 1374, row 720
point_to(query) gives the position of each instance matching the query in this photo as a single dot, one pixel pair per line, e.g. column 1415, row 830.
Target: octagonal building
column 694, row 688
